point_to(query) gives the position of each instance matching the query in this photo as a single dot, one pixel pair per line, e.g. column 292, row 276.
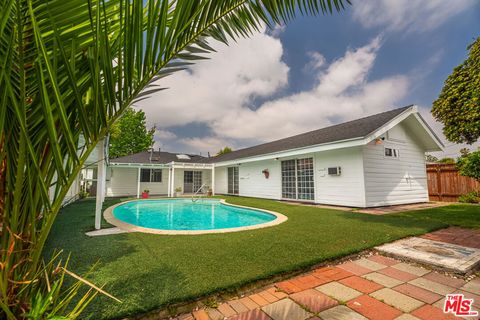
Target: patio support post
column 169, row 192
column 173, row 180
column 100, row 184
column 213, row 180
column 138, row 182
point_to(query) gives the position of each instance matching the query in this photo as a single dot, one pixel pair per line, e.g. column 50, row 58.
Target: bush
column 469, row 165
column 471, row 197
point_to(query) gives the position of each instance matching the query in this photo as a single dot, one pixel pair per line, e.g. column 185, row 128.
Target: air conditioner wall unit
column 334, row 171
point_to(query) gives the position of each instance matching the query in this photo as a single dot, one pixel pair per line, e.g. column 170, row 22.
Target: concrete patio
column 369, row 287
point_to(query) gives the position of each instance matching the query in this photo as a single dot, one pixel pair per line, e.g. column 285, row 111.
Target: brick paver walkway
column 374, row 287
column 455, row 235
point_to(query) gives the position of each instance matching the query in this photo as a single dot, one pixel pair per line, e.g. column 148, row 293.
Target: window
column 392, row 153
column 145, row 175
column 151, row 175
column 156, row 175
column 297, row 179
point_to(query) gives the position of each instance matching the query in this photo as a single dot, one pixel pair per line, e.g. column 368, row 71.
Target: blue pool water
column 183, row 214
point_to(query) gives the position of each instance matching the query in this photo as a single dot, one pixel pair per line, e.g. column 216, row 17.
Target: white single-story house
column 374, row 161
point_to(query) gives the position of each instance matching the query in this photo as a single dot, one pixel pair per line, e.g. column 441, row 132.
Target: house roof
column 351, row 130
column 158, row 157
column 359, row 128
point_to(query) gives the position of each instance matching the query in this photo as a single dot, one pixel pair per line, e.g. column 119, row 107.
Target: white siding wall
column 347, row 189
column 221, row 180
column 123, row 182
column 390, row 181
column 252, row 182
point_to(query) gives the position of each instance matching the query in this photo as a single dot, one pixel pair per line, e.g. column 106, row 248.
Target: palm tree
column 68, row 69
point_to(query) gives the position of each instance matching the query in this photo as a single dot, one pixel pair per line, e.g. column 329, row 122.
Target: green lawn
column 149, row 271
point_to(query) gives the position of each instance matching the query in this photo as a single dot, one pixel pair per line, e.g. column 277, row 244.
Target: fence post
column 439, row 182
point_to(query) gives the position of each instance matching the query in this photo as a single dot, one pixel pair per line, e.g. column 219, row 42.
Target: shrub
column 471, row 197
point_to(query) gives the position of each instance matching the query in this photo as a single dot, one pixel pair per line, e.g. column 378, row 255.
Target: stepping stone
column 331, row 273
column 472, row 286
column 339, row 291
column 361, row 284
column 397, row 299
column 427, row 312
column 252, row 315
column 249, row 303
column 258, row 299
column 382, row 279
column 411, row 269
column 369, row 264
column 313, row 300
column 200, row 315
column 286, row 309
column 288, row 286
column 426, row 296
column 309, row 281
column 460, row 259
column 226, row 310
column 372, row 308
column 214, row 314
column 341, row 313
column 237, row 306
column 354, row 268
column 432, row 286
column 105, row 232
column 448, row 281
column 383, row 260
column 397, row 274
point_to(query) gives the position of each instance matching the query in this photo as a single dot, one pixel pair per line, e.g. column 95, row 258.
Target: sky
column 375, row 56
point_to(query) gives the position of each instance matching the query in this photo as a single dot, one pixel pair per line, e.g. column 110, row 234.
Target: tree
column 469, row 165
column 458, row 106
column 130, row 134
column 430, row 158
column 224, row 151
column 446, row 160
column 68, row 71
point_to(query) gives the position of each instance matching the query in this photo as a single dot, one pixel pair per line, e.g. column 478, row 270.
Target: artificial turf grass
column 148, row 271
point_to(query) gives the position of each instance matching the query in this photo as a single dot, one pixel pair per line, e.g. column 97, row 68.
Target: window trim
column 297, row 181
column 395, row 153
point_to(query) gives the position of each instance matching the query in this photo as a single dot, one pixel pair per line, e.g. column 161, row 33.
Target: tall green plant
column 130, row 135
column 68, row 69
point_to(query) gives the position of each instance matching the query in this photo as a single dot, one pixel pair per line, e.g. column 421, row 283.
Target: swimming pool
column 184, row 216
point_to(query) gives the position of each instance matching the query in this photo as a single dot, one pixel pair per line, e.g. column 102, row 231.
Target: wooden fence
column 445, row 184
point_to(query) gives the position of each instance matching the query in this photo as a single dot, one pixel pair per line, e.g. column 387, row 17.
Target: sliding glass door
column 297, row 179
column 232, row 180
column 192, row 181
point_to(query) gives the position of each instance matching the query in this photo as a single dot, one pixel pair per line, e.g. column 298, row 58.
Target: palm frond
column 68, row 70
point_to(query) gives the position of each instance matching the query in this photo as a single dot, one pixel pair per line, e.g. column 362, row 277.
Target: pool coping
column 110, row 218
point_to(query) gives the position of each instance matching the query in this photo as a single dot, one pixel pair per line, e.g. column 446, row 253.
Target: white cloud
column 219, row 92
column 407, row 15
column 342, row 92
column 317, row 60
column 277, row 30
column 229, row 80
column 207, row 144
